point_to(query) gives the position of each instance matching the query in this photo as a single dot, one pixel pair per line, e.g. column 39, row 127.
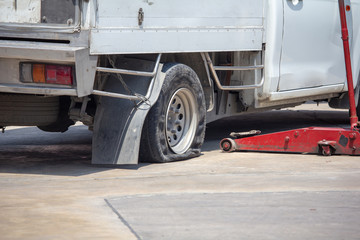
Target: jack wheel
column 227, row 145
column 326, row 151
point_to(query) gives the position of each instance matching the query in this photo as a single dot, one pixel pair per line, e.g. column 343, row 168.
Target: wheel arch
column 192, row 60
column 196, row 63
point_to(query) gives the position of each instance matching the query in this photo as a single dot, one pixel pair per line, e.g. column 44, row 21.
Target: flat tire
column 175, row 126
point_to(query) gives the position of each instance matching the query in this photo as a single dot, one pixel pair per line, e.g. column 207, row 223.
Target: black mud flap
column 118, row 123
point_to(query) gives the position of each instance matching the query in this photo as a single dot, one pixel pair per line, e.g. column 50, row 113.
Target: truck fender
column 118, row 125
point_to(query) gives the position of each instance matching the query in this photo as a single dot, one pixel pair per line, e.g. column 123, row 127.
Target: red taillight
column 57, row 74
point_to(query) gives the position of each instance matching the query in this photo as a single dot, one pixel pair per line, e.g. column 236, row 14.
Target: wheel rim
column 181, row 119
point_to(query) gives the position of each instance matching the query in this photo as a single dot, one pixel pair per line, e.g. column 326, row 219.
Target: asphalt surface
column 50, row 190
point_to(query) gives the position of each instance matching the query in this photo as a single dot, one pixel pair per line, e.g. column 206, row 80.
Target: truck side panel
column 182, row 26
column 27, row 11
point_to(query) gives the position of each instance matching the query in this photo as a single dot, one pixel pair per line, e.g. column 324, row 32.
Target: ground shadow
column 30, row 151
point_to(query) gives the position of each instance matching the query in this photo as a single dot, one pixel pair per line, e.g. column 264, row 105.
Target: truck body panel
column 304, row 55
column 182, row 26
column 26, row 11
column 311, row 54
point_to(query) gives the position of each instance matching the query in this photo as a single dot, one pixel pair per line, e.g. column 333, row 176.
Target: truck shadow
column 30, row 151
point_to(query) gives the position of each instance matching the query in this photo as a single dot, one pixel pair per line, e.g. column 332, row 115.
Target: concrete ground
column 49, row 189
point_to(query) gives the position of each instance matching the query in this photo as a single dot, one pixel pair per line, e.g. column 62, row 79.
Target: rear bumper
column 14, row 52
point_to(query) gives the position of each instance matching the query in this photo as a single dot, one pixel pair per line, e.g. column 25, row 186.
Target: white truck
column 147, row 75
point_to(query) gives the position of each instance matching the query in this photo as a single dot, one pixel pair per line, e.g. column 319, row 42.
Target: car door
column 312, row 52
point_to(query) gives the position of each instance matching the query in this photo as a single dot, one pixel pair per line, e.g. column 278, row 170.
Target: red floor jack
column 320, row 140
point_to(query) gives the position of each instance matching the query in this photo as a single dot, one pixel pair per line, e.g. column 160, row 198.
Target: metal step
column 213, row 70
column 135, row 96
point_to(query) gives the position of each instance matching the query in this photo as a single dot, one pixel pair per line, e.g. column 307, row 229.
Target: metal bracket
column 79, row 114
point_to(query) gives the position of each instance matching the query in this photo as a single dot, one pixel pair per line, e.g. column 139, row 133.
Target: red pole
column 345, row 37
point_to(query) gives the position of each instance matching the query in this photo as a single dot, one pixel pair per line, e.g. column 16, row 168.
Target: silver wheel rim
column 181, row 119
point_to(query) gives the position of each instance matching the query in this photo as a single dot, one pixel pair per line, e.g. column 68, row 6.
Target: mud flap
column 118, row 123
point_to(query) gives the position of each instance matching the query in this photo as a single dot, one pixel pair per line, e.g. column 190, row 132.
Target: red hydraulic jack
column 320, row 140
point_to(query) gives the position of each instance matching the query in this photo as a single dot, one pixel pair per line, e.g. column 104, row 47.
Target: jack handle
column 354, row 121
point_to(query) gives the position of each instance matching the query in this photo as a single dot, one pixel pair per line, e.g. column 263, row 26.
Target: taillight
column 46, row 73
column 58, row 74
